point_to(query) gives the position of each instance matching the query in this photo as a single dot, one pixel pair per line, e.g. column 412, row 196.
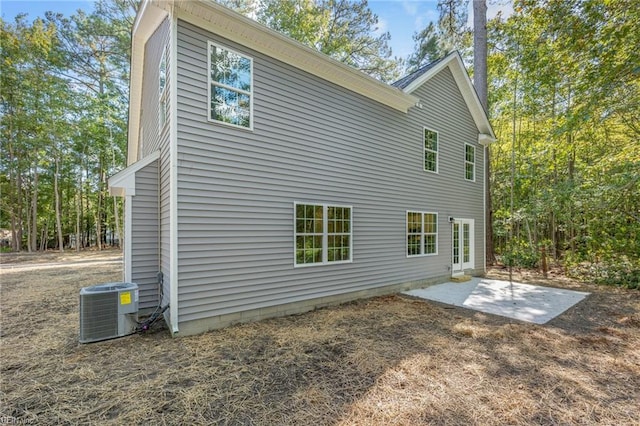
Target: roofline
column 123, row 182
column 454, row 62
column 226, row 23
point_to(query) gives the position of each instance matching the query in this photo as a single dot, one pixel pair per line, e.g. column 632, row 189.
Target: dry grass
column 383, row 361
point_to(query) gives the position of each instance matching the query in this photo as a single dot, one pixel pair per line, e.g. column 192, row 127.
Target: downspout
column 484, row 140
column 484, row 210
column 128, row 216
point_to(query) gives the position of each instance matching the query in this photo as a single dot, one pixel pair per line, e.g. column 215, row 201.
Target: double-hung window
column 323, row 234
column 469, row 162
column 422, row 233
column 430, row 150
column 230, row 87
column 163, row 87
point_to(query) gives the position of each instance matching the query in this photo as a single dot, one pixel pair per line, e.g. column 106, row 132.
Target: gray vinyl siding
column 154, row 138
column 150, row 115
column 165, row 220
column 445, row 111
column 312, row 142
column 145, row 242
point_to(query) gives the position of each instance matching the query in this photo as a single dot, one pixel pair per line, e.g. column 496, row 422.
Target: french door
column 462, row 246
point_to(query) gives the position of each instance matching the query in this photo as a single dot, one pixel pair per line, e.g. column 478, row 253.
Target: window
column 422, row 233
column 230, row 87
column 430, row 151
column 469, row 162
column 322, row 234
column 163, row 89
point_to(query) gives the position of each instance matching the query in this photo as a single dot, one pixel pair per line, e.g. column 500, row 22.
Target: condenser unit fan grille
column 99, row 316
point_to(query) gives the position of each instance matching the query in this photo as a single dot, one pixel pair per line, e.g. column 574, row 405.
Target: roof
column 453, row 61
column 124, row 182
column 410, row 78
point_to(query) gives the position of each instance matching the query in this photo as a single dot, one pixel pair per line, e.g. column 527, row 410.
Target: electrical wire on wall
column 157, row 313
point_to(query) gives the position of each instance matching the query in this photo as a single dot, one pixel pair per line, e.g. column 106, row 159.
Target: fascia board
column 240, row 29
column 469, row 94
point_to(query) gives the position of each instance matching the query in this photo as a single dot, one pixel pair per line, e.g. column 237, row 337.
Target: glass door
column 462, row 246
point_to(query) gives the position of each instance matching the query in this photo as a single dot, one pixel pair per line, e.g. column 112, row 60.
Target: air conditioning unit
column 108, row 311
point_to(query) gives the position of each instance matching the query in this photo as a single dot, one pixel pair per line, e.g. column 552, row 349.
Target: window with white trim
column 163, row 88
column 469, row 162
column 230, row 87
column 323, row 234
column 422, row 233
column 430, row 150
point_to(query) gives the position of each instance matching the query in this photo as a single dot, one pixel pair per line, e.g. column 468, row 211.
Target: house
column 267, row 179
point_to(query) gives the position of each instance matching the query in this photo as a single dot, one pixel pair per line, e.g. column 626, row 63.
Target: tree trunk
column 480, row 83
column 58, row 214
column 78, row 210
column 116, row 216
column 480, row 50
column 33, row 235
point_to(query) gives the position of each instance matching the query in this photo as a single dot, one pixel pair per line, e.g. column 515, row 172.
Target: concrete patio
column 524, row 302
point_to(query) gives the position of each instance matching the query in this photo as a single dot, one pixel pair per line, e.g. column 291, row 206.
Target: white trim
column 164, row 100
column 422, row 234
column 469, row 94
column 128, row 227
column 471, row 263
column 210, row 82
column 486, row 140
column 325, row 234
column 124, row 182
column 173, row 179
column 464, row 170
column 226, row 23
column 249, row 33
column 437, row 151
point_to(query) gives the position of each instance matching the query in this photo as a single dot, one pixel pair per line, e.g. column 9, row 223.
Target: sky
column 401, row 18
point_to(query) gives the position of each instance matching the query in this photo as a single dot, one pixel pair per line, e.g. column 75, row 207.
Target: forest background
column 563, row 97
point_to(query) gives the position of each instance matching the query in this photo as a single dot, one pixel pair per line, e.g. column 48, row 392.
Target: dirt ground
column 383, row 361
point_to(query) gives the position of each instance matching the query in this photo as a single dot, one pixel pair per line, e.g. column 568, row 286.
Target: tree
column 98, row 46
column 34, row 99
column 452, row 23
column 426, row 48
column 63, row 103
column 343, row 29
column 574, row 138
column 480, row 84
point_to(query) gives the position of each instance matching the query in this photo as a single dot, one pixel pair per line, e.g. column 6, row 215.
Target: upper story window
column 422, row 233
column 163, row 87
column 430, row 150
column 322, row 234
column 230, row 87
column 469, row 162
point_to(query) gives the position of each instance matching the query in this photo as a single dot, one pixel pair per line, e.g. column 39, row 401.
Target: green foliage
column 564, row 86
column 437, row 40
column 520, row 254
column 64, row 87
column 618, row 272
column 343, row 29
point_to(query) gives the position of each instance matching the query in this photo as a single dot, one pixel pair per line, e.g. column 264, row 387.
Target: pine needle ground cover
column 382, row 361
